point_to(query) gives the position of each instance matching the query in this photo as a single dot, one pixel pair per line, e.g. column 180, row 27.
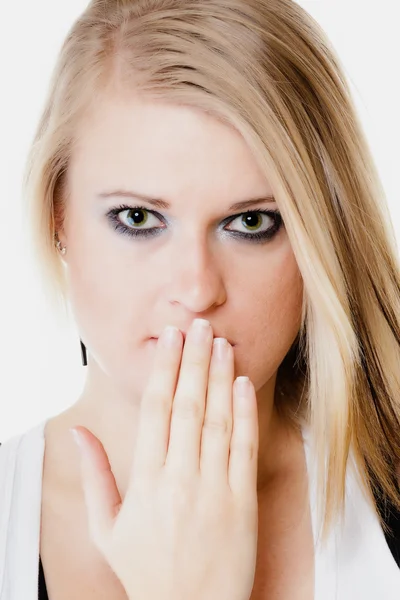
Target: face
column 132, row 271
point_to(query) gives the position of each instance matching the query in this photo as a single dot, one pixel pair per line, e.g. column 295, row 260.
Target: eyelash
column 265, row 236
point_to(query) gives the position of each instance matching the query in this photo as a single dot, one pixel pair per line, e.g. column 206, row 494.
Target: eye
column 253, row 220
column 138, row 223
column 137, row 217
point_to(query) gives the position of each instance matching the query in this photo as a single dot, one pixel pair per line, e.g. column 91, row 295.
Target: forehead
column 164, row 149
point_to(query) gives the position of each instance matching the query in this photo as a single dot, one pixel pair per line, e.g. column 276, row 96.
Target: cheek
column 104, row 299
column 273, row 317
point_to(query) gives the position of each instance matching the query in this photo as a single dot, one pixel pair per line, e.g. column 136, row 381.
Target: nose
column 196, row 278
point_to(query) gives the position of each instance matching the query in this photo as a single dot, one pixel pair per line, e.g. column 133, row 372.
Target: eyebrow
column 160, row 203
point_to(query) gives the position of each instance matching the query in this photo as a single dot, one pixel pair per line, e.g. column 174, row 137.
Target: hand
column 188, row 525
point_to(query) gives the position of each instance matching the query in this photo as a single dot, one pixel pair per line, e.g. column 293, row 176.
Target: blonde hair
column 266, row 68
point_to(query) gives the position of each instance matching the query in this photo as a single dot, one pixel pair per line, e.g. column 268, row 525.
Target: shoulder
column 10, row 450
column 20, row 458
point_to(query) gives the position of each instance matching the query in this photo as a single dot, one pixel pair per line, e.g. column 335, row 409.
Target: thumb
column 102, row 498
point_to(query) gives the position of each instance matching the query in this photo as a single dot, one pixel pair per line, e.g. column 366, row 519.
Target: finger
column 218, row 420
column 102, row 498
column 243, row 456
column 155, row 410
column 188, row 406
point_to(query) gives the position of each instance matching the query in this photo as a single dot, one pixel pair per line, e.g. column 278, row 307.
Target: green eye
column 248, row 220
column 251, row 220
column 137, row 211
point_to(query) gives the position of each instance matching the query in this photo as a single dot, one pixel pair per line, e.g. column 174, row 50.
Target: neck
column 113, row 419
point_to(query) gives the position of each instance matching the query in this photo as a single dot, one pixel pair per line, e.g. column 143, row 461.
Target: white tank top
column 356, row 563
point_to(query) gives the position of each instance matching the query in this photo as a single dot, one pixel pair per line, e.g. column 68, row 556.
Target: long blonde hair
column 266, row 68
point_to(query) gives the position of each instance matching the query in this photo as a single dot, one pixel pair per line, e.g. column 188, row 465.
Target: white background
column 40, row 363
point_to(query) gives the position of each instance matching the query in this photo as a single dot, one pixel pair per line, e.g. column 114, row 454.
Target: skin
column 125, row 290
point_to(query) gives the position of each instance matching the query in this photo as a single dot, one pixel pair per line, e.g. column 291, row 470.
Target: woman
column 204, row 161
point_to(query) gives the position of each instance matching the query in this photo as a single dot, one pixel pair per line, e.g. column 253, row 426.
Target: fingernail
column 242, row 384
column 201, row 330
column 77, row 438
column 221, row 348
column 170, row 336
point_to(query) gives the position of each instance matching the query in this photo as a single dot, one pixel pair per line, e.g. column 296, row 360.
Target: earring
column 58, row 245
column 83, row 353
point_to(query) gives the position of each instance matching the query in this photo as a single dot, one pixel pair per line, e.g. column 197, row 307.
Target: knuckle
column 220, row 425
column 245, row 450
column 186, row 407
column 218, row 377
column 197, row 361
column 156, row 401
